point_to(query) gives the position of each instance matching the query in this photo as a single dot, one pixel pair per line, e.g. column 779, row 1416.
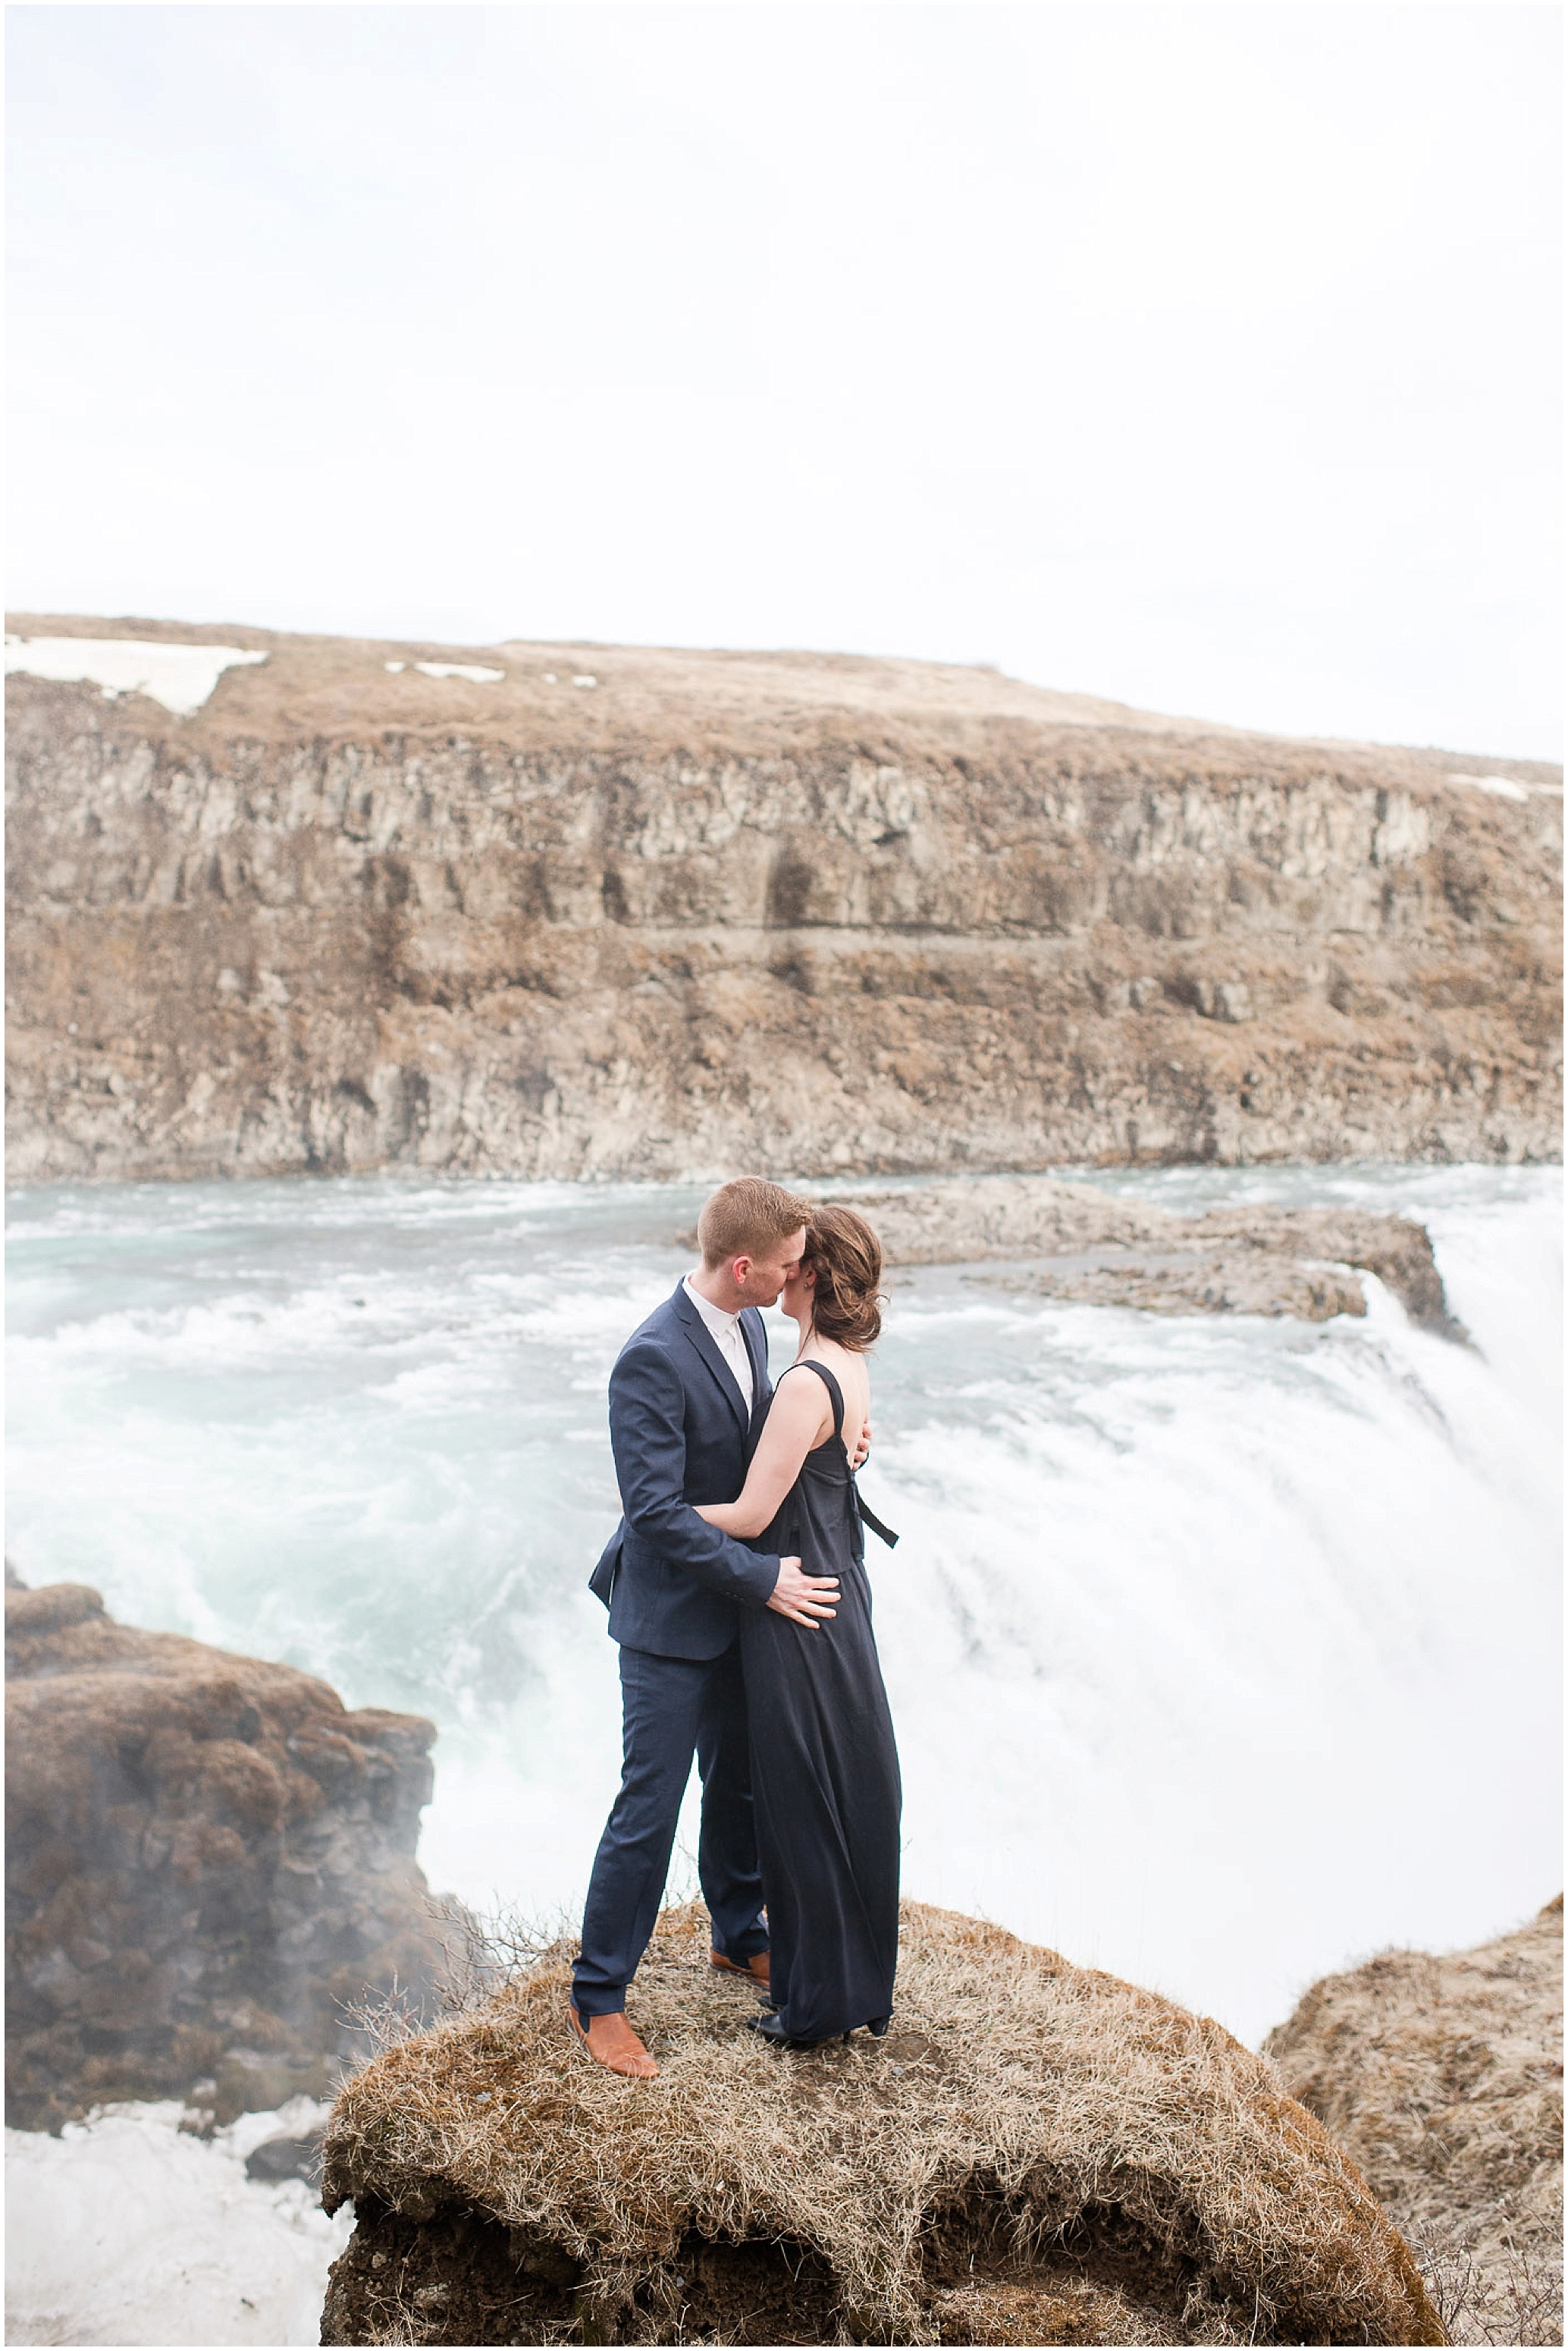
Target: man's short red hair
column 749, row 1217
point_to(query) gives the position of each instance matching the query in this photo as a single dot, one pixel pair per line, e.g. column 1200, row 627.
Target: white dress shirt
column 727, row 1337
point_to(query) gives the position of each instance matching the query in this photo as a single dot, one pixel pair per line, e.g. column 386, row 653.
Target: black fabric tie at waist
column 869, row 1518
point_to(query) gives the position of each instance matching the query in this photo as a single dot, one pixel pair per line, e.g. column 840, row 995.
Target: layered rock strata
column 700, row 912
column 209, row 1864
column 1035, row 2153
column 1078, row 1243
column 1443, row 2077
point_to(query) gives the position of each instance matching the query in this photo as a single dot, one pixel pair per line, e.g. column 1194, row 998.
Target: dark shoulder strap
column 867, row 1516
column 810, row 1364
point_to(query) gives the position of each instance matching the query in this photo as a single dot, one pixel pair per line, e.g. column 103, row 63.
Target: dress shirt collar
column 723, row 1326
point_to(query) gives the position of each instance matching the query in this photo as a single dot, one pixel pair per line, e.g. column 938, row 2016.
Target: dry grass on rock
column 1444, row 2078
column 1036, row 2153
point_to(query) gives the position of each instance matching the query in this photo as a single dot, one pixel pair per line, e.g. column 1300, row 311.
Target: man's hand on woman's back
column 806, row 1600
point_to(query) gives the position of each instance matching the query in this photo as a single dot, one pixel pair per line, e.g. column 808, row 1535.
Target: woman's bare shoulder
column 826, row 1355
column 848, row 1368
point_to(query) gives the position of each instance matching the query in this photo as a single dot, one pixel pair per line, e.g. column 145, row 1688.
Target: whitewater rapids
column 1222, row 1651
column 125, row 2229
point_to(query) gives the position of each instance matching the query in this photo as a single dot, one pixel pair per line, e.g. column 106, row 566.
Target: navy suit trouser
column 672, row 1709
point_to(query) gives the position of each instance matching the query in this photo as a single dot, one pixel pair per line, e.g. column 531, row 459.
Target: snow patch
column 1502, row 788
column 460, row 669
column 125, row 2229
column 179, row 676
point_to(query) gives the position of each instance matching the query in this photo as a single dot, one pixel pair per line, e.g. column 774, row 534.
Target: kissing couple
column 736, row 1589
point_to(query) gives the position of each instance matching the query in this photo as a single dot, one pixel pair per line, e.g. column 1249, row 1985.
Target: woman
column 824, row 1768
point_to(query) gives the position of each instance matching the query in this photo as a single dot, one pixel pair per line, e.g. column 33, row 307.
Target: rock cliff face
column 707, row 911
column 1443, row 2077
column 207, row 1862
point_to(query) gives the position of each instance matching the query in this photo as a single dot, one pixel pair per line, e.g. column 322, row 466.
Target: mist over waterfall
column 1222, row 1651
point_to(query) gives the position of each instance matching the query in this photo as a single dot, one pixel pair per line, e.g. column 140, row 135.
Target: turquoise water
column 1222, row 1651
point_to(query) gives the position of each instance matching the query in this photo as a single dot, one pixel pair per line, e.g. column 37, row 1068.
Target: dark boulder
column 210, row 1862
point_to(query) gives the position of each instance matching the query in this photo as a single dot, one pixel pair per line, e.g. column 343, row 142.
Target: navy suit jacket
column 681, row 1434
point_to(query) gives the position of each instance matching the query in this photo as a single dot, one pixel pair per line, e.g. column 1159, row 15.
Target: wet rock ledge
column 209, row 1862
column 1037, row 2153
column 1078, row 1243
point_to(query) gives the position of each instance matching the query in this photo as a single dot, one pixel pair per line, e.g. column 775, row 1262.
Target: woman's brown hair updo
column 845, row 1255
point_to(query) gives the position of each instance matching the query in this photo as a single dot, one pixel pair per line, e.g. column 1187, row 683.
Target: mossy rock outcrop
column 1036, row 2153
column 209, row 1863
column 1443, row 2077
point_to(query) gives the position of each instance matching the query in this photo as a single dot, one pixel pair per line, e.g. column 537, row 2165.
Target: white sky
column 1203, row 357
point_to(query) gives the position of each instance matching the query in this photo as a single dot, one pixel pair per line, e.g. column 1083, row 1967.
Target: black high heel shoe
column 767, row 2028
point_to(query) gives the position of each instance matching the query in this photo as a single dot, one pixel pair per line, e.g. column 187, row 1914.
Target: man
column 687, row 1399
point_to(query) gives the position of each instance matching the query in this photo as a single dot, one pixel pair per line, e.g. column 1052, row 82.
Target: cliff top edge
column 586, row 696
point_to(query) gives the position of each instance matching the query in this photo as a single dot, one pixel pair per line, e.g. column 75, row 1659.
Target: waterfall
column 1222, row 1651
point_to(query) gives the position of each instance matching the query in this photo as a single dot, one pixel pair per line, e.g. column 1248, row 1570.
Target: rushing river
column 1222, row 1652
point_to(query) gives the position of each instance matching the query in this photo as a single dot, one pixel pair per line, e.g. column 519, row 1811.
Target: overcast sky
column 1203, row 357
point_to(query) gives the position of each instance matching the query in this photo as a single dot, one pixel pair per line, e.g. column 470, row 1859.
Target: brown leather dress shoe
column 612, row 2041
column 754, row 1968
